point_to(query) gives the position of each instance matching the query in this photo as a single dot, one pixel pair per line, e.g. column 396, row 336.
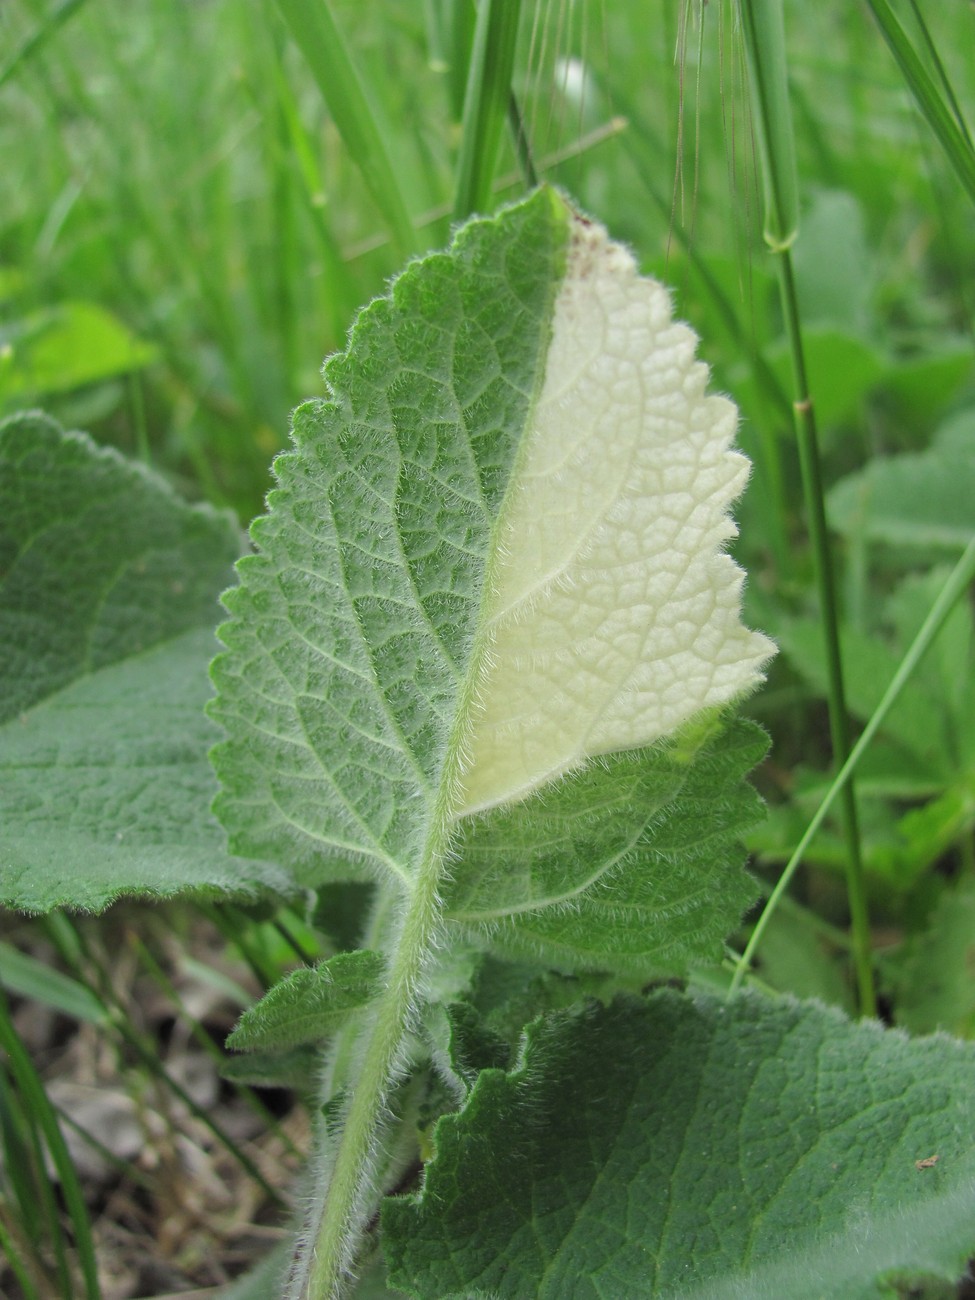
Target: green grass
column 227, row 184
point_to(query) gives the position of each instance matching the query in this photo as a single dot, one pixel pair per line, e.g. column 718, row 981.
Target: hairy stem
column 343, row 1204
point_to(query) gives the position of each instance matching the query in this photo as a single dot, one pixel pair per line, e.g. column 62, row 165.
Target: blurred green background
column 185, row 235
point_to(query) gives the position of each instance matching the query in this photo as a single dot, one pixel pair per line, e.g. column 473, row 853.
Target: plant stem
column 807, row 440
column 343, row 1203
column 764, row 35
column 768, row 74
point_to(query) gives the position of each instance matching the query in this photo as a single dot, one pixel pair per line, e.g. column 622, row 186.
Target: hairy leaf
column 307, row 1005
column 691, row 1148
column 496, row 552
column 632, row 863
column 100, row 560
column 491, row 619
column 107, row 605
column 296, row 1070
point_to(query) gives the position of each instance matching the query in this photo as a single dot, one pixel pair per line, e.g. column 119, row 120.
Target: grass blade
column 39, row 37
column 206, row 1043
column 17, row 1265
column 767, row 74
column 43, row 1114
column 939, row 68
column 317, row 35
column 486, row 103
column 28, row 1198
column 30, row 978
column 921, row 84
column 956, row 585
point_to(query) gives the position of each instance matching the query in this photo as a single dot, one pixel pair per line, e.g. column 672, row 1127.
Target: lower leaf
column 105, row 790
column 633, row 864
column 695, row 1148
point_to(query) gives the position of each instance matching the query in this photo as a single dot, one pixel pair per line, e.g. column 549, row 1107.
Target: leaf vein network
column 376, row 851
column 418, row 600
column 554, row 900
column 710, row 1068
column 374, row 677
column 321, row 652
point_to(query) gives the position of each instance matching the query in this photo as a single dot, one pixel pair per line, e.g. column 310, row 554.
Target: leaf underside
column 309, row 1004
column 482, row 651
column 495, row 513
column 633, row 863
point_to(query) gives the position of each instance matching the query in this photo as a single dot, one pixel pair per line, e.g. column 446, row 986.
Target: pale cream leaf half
column 612, row 613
